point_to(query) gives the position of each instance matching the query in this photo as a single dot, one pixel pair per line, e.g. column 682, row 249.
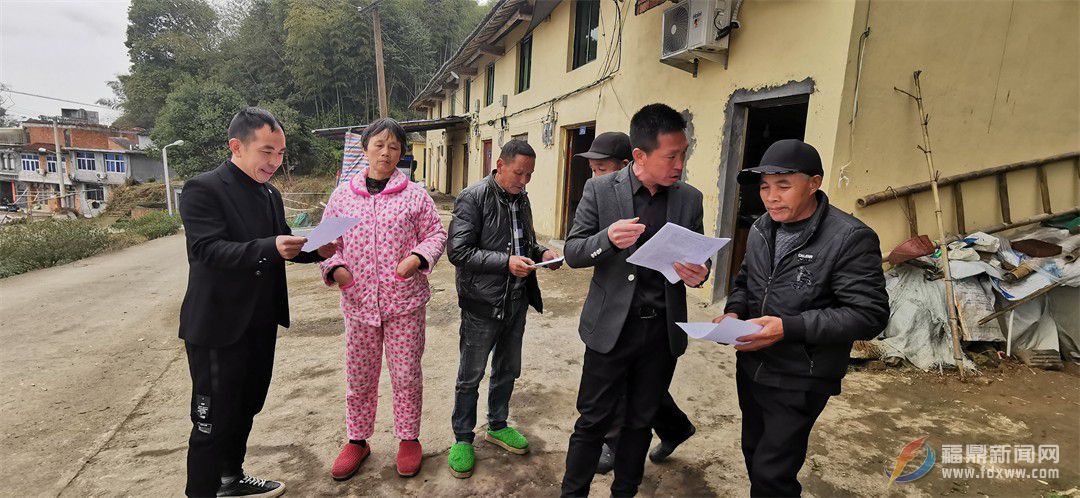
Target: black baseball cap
column 782, row 157
column 612, row 144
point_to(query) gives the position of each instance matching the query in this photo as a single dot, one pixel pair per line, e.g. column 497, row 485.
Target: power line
column 9, row 90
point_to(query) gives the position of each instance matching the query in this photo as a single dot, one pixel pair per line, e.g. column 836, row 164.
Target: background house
column 1001, row 82
column 97, row 158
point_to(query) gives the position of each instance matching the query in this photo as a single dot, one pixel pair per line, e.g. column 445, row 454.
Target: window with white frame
column 30, row 162
column 114, row 163
column 85, row 161
column 50, row 163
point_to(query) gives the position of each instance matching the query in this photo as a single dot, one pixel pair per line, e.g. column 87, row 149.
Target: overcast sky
column 66, row 49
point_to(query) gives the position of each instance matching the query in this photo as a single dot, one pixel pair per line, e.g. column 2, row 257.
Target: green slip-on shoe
column 462, row 460
column 509, row 439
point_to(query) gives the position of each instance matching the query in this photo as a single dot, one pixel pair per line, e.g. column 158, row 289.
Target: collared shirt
column 518, row 238
column 651, row 209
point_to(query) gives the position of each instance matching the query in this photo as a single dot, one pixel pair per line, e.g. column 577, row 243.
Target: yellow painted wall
column 1032, row 92
column 759, row 58
column 1000, row 81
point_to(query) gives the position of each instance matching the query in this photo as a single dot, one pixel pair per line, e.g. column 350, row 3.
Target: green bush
column 30, row 246
column 151, row 226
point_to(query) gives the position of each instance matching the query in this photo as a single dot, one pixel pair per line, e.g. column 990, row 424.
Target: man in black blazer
column 628, row 320
column 237, row 245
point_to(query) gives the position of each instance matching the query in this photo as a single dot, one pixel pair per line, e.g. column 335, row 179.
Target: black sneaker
column 252, row 487
column 607, row 460
column 663, row 450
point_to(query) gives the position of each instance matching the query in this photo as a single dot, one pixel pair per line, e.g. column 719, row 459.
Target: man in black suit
column 237, row 245
column 628, row 320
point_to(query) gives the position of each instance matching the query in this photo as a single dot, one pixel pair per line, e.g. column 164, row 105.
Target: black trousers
column 670, row 423
column 229, row 386
column 639, row 367
column 776, row 426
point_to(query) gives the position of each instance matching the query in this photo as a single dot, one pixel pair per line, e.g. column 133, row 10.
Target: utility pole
column 384, row 109
column 61, row 164
column 379, row 63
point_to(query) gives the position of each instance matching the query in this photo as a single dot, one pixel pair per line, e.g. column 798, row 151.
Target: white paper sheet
column 672, row 244
column 549, row 262
column 1024, row 288
column 327, row 231
column 724, row 332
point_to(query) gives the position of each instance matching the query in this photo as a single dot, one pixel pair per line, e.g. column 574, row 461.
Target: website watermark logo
column 976, row 461
column 1000, row 461
column 907, row 454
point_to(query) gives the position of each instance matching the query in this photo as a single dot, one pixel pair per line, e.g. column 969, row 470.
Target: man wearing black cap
column 609, row 152
column 812, row 279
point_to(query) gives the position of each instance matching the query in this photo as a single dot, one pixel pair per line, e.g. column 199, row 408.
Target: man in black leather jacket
column 812, row 278
column 493, row 247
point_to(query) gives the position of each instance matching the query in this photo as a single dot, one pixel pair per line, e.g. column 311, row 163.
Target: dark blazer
column 606, row 200
column 229, row 267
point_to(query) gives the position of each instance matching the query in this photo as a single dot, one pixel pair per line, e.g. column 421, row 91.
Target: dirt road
column 95, row 400
column 82, row 345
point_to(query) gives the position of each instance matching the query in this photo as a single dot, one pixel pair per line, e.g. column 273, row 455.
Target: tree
column 252, row 57
column 166, row 40
column 197, row 112
column 5, row 103
column 330, row 53
column 304, row 152
column 314, row 58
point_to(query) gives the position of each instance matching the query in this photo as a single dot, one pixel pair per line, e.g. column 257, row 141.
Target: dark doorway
column 578, row 139
column 464, row 166
column 764, row 126
column 450, row 170
column 756, row 120
column 7, row 193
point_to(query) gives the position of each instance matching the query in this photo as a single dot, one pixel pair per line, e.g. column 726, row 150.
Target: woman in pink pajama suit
column 381, row 269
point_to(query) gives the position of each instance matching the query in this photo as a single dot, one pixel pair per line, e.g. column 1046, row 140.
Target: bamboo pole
column 950, row 294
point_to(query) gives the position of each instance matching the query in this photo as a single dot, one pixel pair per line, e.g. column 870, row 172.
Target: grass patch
column 152, row 226
column 30, row 246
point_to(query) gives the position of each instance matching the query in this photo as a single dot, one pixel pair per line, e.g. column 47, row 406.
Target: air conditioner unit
column 693, row 30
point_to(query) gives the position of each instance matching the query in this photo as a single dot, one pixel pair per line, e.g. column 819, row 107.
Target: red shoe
column 348, row 461
column 409, row 455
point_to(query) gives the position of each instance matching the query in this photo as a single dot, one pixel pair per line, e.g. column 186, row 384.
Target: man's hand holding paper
column 679, row 253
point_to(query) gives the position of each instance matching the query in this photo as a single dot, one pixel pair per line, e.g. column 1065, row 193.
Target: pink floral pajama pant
column 402, row 337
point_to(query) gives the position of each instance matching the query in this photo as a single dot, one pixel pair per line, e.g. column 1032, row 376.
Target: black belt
column 646, row 312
